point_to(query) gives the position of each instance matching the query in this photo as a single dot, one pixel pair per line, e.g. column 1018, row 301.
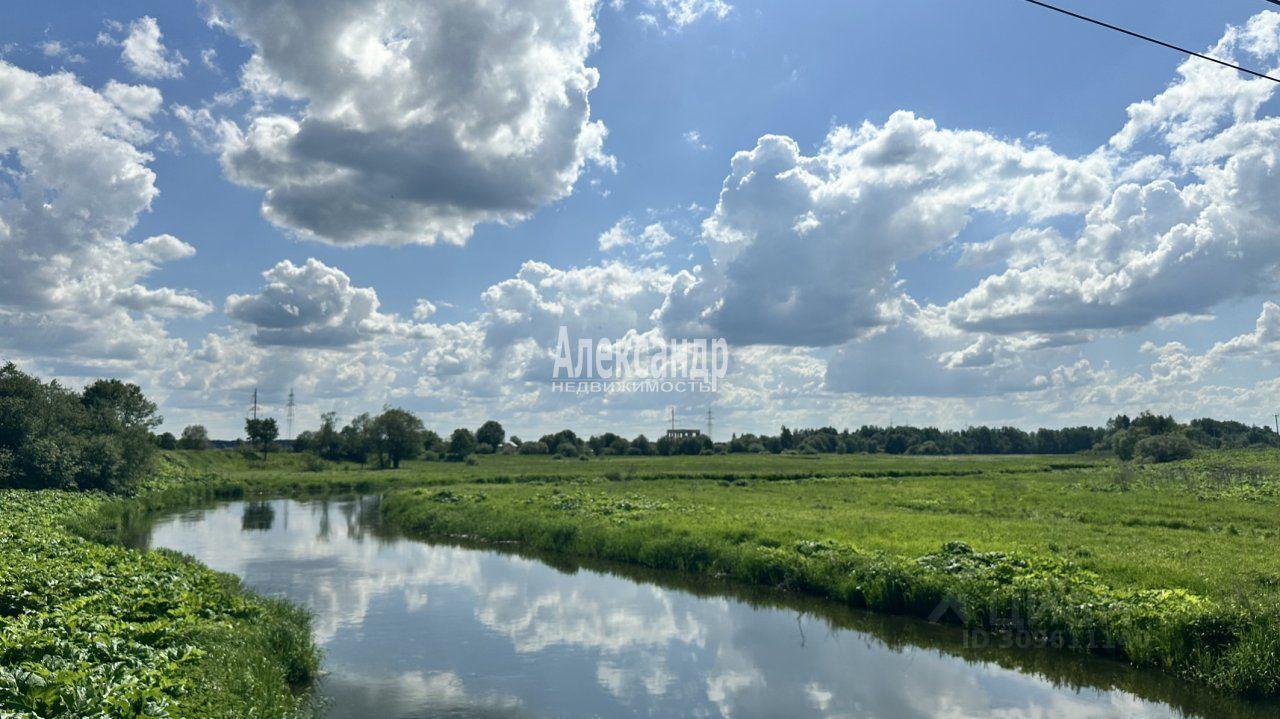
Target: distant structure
column 254, row 409
column 289, row 416
column 682, row 434
column 709, row 423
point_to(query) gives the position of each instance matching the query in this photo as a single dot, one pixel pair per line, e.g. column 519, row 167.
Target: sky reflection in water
column 415, row 630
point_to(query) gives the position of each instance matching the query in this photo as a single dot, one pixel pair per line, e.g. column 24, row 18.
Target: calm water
column 411, row 630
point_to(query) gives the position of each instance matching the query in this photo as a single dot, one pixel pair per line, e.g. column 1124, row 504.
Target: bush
column 1165, row 448
column 314, row 463
column 534, row 448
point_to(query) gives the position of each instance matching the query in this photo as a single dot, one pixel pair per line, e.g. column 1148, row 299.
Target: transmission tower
column 255, row 403
column 709, row 423
column 289, row 415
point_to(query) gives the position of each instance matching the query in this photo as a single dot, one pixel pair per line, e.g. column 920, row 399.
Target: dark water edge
column 793, row 646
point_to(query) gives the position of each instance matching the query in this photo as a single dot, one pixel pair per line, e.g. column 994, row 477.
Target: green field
column 1171, row 566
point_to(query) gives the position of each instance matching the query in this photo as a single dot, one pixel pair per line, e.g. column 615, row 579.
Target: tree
column 194, row 436
column 785, row 439
column 462, row 444
column 327, row 442
column 533, row 448
column 641, row 445
column 114, row 404
column 356, row 439
column 491, row 433
column 167, row 441
column 399, row 435
column 431, row 441
column 53, row 437
column 262, row 432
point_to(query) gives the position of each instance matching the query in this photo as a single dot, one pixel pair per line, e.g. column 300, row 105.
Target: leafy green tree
column 399, row 435
column 641, row 445
column 533, row 448
column 491, row 433
column 194, row 437
column 432, row 441
column 167, row 441
column 327, row 442
column 262, row 432
column 357, row 439
column 462, row 444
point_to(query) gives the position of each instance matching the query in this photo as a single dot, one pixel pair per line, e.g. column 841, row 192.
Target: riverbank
column 1167, row 567
column 90, row 629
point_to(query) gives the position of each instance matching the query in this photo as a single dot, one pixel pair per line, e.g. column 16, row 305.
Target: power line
column 1150, row 39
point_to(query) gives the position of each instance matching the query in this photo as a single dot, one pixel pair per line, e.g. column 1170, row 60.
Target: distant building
column 678, row 435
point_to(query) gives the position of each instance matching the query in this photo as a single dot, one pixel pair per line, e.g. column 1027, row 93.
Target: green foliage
column 194, row 437
column 103, row 631
column 52, row 437
column 462, row 444
column 262, row 433
column 1165, row 448
column 397, row 436
column 491, row 433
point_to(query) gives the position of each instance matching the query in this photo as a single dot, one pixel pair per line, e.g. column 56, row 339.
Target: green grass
column 92, row 630
column 1167, row 566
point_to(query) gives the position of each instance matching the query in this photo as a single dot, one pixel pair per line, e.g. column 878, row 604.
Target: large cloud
column 416, row 121
column 604, row 301
column 804, row 248
column 313, row 305
column 1157, row 249
column 78, row 182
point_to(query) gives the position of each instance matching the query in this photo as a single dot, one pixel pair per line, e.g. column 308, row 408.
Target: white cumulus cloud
column 144, row 53
column 489, row 120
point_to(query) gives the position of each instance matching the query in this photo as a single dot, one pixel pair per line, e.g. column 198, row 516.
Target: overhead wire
column 1156, row 41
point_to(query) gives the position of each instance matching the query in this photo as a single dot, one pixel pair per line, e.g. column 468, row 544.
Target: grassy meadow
column 1170, row 566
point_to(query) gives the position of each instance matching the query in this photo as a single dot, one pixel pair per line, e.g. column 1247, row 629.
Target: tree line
column 398, row 434
column 102, row 437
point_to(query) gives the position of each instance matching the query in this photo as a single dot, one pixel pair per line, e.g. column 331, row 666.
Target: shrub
column 534, row 448
column 1165, row 448
column 314, row 463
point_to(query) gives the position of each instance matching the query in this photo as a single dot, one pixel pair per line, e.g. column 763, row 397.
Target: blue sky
column 682, row 86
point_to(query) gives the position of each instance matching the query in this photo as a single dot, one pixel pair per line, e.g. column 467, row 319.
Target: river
column 412, row 629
